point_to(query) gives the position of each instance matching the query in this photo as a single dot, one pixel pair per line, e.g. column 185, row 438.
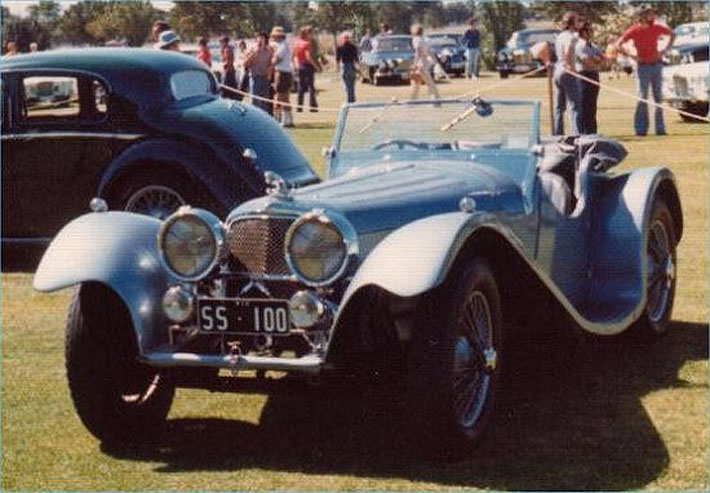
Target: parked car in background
column 433, row 240
column 516, row 56
column 698, row 51
column 691, row 33
column 143, row 129
column 449, row 51
column 390, row 59
column 685, row 86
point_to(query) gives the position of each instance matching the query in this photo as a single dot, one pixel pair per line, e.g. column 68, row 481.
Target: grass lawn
column 610, row 417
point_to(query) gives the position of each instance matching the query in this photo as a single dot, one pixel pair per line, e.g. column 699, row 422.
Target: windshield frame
column 534, row 137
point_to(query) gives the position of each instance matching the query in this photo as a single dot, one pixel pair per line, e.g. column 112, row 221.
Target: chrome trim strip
column 311, row 363
column 54, row 135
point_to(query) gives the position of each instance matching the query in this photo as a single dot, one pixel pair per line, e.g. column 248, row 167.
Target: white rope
column 647, row 101
column 502, row 83
column 275, row 101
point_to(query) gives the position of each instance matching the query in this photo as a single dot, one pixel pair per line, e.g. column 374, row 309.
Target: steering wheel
column 401, row 143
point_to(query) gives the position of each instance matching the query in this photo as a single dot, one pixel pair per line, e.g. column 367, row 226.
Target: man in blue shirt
column 472, row 43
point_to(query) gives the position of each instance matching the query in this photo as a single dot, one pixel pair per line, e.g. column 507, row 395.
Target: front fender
column 118, row 249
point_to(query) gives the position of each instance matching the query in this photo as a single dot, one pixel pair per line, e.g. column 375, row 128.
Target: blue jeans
column 567, row 91
column 306, row 82
column 649, row 75
column 472, row 55
column 349, row 75
column 259, row 86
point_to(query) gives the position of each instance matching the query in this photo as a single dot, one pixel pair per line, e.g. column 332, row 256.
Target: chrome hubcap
column 661, row 271
column 155, row 200
column 475, row 359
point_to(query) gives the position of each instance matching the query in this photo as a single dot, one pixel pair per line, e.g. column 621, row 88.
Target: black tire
column 503, row 74
column 155, row 192
column 699, row 109
column 118, row 399
column 661, row 275
column 444, row 425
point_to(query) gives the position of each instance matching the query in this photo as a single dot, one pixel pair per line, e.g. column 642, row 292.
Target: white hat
column 166, row 39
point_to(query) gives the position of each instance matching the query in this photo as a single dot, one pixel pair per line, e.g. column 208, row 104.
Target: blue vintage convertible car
column 411, row 260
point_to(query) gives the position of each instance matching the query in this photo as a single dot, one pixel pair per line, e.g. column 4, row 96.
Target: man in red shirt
column 306, row 68
column 645, row 36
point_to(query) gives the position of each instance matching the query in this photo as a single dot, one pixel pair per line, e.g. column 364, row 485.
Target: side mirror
column 249, row 154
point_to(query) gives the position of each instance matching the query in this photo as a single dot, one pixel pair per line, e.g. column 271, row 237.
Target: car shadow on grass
column 572, row 420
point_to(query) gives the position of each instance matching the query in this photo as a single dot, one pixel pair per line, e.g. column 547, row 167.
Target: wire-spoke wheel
column 660, row 273
column 454, row 362
column 155, row 200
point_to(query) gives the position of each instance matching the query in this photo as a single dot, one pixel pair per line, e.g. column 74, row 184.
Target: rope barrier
column 275, row 101
column 647, row 101
column 502, row 83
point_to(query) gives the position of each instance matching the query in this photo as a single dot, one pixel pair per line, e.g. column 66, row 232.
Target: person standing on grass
column 565, row 82
column 645, row 36
column 306, row 69
column 589, row 58
column 230, row 73
column 472, row 43
column 422, row 64
column 260, row 65
column 283, row 77
column 346, row 56
column 203, row 53
column 366, row 41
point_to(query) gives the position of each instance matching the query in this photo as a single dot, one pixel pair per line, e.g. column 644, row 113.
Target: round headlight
column 190, row 242
column 318, row 248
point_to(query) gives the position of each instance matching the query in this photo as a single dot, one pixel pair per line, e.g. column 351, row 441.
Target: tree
column 74, row 23
column 23, row 31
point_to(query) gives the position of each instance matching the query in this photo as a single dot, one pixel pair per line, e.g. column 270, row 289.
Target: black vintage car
column 143, row 129
column 516, row 56
column 449, row 52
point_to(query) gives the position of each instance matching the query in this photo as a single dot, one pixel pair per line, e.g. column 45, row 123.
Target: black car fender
column 227, row 184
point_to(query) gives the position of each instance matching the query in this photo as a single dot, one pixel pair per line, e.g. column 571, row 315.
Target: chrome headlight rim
column 342, row 226
column 215, row 227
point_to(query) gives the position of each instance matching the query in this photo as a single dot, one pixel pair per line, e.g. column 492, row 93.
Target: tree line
column 96, row 22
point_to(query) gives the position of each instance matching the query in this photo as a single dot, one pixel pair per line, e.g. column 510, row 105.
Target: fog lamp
column 306, row 309
column 178, row 304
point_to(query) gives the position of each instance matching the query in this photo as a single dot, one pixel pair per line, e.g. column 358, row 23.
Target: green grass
column 610, row 417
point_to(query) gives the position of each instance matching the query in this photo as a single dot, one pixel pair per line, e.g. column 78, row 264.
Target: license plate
column 243, row 316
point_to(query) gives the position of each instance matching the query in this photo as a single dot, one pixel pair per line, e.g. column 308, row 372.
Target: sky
column 19, row 7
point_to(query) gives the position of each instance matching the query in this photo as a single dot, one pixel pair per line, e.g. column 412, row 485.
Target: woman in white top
column 421, row 66
column 566, row 83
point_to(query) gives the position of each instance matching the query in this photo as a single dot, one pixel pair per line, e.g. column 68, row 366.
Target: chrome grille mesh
column 257, row 243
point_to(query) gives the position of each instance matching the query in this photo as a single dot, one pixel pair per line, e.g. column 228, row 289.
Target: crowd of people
column 267, row 70
column 577, row 55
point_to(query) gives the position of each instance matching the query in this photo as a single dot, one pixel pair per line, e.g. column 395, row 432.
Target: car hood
column 229, row 127
column 384, row 196
column 390, row 55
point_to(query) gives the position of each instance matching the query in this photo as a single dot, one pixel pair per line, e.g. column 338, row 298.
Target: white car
column 691, row 33
column 685, row 87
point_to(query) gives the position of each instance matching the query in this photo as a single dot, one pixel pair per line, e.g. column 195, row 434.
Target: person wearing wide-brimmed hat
column 168, row 40
column 644, row 36
column 283, row 76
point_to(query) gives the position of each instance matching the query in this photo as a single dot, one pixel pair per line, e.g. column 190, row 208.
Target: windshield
column 443, row 41
column 386, row 43
column 536, row 37
column 422, row 126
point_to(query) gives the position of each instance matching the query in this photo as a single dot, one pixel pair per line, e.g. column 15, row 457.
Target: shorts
column 283, row 82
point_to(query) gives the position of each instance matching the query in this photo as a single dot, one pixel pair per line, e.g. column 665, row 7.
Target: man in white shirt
column 283, row 77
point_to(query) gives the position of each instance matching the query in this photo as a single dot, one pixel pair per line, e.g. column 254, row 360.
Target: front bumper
column 310, row 363
column 518, row 68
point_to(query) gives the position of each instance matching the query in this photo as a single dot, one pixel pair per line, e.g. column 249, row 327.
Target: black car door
column 56, row 143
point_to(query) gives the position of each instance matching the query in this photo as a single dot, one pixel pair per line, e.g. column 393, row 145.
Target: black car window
column 62, row 99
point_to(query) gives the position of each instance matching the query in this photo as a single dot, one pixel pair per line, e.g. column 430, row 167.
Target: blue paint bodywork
column 411, row 230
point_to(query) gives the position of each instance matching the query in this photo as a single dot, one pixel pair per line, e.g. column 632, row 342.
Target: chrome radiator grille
column 680, row 85
column 257, row 243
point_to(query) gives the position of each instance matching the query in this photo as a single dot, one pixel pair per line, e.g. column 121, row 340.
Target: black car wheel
column 156, row 193
column 454, row 362
column 117, row 398
column 503, row 74
column 661, row 274
column 699, row 109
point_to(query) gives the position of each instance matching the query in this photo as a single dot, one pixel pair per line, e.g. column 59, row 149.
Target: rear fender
column 118, row 249
column 227, row 184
